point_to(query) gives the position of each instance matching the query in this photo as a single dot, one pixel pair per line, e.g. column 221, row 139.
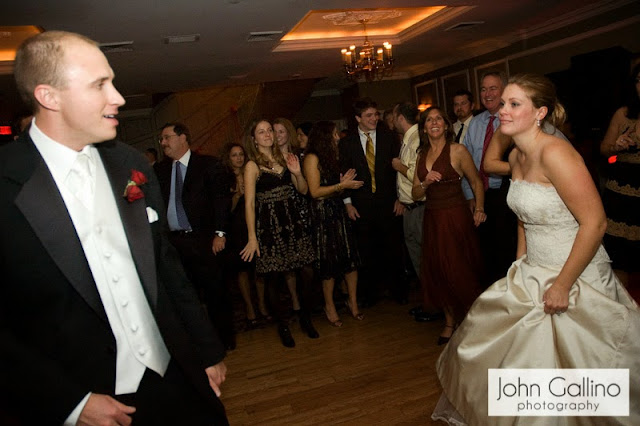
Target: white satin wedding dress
column 507, row 327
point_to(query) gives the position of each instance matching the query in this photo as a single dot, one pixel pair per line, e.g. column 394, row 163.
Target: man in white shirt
column 405, row 117
column 98, row 322
column 374, row 207
column 463, row 109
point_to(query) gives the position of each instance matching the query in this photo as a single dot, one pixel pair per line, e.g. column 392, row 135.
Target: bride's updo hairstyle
column 542, row 92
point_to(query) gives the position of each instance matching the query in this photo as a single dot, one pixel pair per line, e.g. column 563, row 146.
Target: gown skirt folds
column 507, row 327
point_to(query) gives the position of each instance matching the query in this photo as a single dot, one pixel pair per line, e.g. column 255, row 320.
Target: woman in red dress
column 451, row 259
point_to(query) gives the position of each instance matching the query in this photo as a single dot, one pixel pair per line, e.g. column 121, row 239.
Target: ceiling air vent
column 464, row 25
column 116, row 47
column 264, row 36
column 187, row 38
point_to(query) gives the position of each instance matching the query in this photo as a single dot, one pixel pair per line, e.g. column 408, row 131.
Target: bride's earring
column 538, row 122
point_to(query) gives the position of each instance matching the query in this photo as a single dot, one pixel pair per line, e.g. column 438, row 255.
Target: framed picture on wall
column 451, row 84
column 502, row 66
column 427, row 94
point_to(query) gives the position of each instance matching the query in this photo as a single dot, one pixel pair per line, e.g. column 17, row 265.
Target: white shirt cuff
column 347, row 200
column 75, row 414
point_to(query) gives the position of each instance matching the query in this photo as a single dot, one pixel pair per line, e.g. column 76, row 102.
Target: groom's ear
column 46, row 95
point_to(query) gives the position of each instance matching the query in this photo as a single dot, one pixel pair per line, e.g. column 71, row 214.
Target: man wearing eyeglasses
column 196, row 193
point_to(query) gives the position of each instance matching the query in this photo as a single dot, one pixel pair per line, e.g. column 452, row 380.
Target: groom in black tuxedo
column 98, row 323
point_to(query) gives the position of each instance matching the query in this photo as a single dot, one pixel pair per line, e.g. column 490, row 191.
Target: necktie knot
column 80, row 179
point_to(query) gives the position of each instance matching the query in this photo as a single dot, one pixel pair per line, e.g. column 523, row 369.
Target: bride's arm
column 566, row 170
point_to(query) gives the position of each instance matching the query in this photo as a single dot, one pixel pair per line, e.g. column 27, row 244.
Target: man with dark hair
column 463, row 109
column 405, row 122
column 374, row 206
column 98, row 322
column 195, row 189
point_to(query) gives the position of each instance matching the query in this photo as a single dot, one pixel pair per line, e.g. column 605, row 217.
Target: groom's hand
column 217, row 374
column 102, row 410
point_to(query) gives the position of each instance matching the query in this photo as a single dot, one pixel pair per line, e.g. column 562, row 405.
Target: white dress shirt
column 408, row 157
column 458, row 124
column 139, row 343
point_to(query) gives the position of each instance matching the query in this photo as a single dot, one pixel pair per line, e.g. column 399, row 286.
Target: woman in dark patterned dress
column 451, row 259
column 336, row 253
column 277, row 233
column 621, row 195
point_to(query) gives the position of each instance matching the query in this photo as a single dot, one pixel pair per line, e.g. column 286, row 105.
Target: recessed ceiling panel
column 323, row 29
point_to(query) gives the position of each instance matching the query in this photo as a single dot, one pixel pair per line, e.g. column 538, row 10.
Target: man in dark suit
column 197, row 199
column 98, row 322
column 374, row 207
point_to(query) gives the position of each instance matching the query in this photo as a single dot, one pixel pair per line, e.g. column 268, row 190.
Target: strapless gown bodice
column 550, row 227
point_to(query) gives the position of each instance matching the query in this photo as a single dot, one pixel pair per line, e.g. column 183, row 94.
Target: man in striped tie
column 373, row 207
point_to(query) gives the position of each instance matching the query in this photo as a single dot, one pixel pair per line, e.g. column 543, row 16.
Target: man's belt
column 413, row 205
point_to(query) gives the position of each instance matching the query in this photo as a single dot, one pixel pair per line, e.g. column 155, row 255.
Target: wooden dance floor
column 380, row 371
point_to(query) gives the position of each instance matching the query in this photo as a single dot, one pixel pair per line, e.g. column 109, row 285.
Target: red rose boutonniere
column 133, row 191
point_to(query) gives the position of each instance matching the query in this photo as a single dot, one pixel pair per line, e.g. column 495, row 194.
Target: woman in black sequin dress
column 336, row 252
column 277, row 232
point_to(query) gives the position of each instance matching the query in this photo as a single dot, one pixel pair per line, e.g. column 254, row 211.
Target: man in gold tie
column 372, row 207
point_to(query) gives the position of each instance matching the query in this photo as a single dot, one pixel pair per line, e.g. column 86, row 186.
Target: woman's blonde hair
column 542, row 92
column 292, row 136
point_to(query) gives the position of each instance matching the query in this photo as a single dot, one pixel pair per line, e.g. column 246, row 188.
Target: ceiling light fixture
column 369, row 63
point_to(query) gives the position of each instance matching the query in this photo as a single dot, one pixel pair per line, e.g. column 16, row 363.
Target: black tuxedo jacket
column 56, row 344
column 205, row 193
column 352, row 156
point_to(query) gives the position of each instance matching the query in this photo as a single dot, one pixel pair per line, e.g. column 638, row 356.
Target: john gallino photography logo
column 558, row 392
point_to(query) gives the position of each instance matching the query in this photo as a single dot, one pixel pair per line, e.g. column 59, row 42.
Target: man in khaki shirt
column 405, row 119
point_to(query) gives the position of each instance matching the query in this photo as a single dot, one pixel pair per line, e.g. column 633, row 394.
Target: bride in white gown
column 560, row 305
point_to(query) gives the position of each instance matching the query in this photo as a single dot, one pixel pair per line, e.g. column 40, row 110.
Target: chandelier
column 370, row 63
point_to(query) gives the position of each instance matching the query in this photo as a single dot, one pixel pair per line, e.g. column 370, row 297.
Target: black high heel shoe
column 307, row 326
column 442, row 340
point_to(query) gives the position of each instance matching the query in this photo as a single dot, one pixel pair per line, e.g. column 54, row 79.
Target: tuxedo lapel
column 359, row 157
column 189, row 176
column 42, row 205
column 134, row 217
column 381, row 152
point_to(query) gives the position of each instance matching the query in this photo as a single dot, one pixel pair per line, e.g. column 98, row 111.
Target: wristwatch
column 221, row 234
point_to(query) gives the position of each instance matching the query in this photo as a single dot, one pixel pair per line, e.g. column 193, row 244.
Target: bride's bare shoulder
column 555, row 150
